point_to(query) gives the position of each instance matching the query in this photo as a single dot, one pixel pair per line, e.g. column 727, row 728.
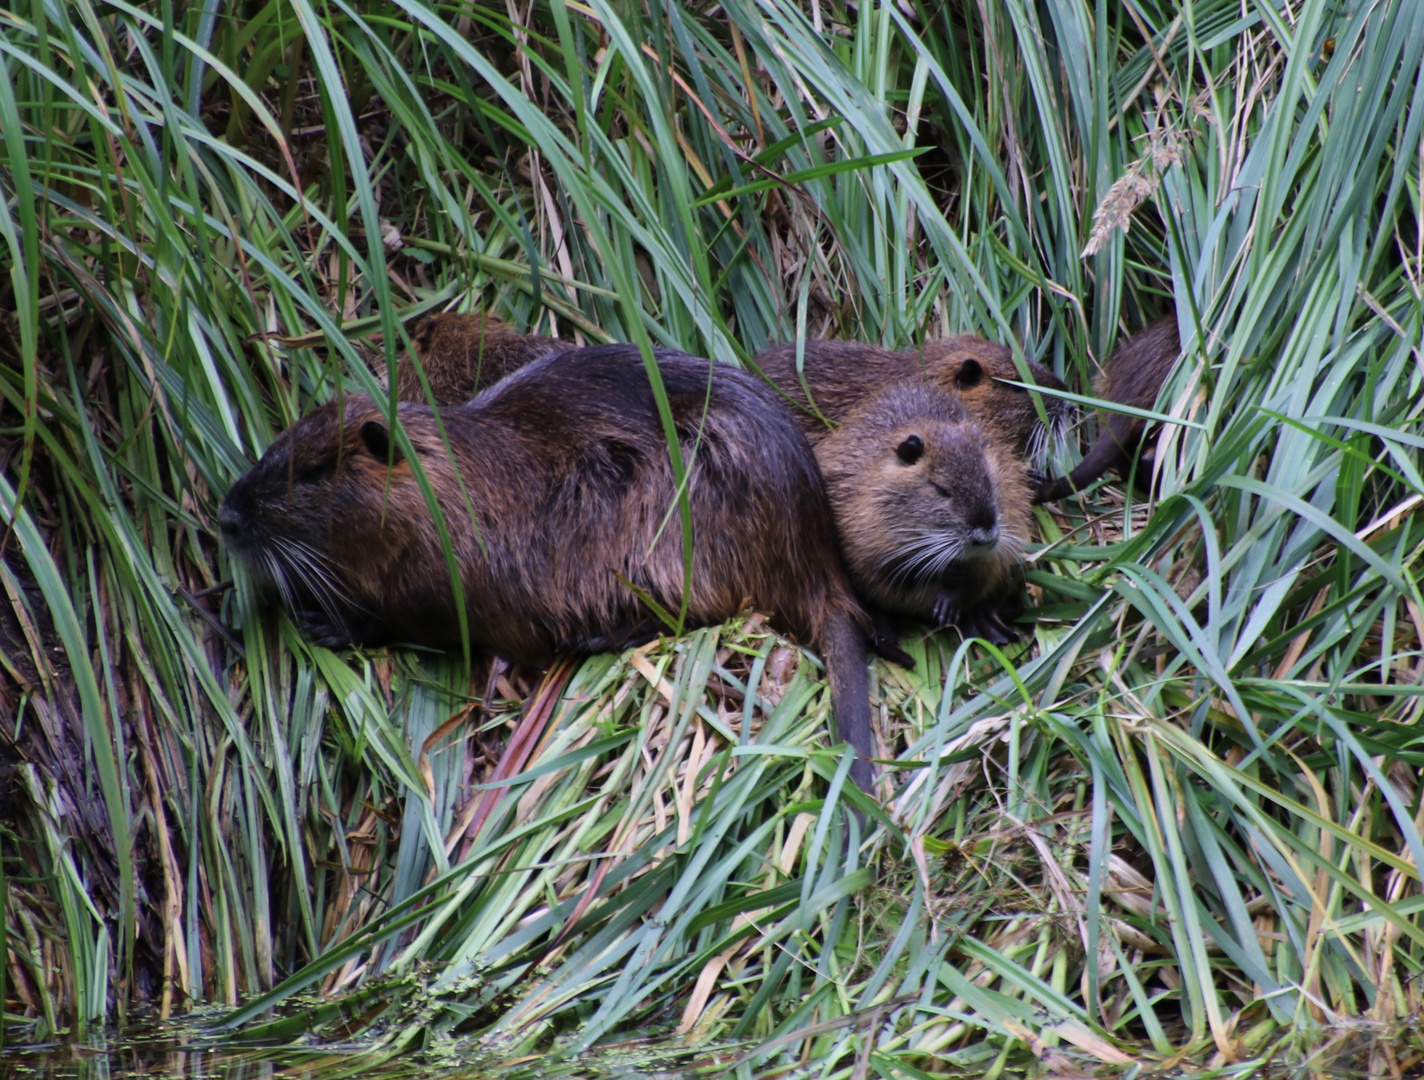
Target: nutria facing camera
column 1134, row 375
column 933, row 512
column 840, row 375
column 555, row 487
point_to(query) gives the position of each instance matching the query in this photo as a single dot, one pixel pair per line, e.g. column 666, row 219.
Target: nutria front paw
column 885, row 643
column 945, row 611
column 627, row 636
column 989, row 623
column 322, row 629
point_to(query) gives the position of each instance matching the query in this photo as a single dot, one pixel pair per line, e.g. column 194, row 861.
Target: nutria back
column 836, row 376
column 847, row 379
column 1134, row 375
column 459, row 354
column 555, row 487
column 1139, row 366
column 933, row 511
column 464, row 353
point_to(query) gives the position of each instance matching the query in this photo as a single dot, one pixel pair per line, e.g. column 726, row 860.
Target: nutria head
column 839, row 376
column 980, row 373
column 924, row 497
column 333, row 518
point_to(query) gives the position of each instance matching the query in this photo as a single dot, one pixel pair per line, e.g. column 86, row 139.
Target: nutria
column 932, row 511
column 556, row 487
column 1134, row 375
column 841, row 374
column 462, row 353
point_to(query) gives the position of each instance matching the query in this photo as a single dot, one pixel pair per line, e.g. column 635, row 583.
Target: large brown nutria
column 839, row 375
column 932, row 511
column 555, row 488
column 460, row 354
column 1133, row 375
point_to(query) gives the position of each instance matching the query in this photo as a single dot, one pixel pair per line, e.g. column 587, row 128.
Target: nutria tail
column 1133, row 376
column 1107, row 452
column 841, row 639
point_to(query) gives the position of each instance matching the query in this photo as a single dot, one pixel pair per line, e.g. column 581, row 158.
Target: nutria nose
column 984, row 537
column 983, row 527
column 229, row 516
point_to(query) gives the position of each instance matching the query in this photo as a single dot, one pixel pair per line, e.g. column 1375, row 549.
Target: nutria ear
column 968, row 374
column 377, row 438
column 910, row 450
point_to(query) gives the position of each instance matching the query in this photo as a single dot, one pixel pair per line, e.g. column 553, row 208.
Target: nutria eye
column 968, row 375
column 315, row 474
column 910, row 450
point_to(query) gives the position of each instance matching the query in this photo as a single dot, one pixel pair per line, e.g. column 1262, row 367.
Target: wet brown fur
column 933, row 511
column 840, row 375
column 566, row 469
column 1134, row 375
column 460, row 354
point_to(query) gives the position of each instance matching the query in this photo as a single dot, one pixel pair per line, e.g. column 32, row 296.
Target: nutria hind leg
column 627, row 636
column 884, row 642
column 339, row 631
column 1106, row 453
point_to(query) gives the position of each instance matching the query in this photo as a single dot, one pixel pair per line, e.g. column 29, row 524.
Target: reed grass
column 1179, row 822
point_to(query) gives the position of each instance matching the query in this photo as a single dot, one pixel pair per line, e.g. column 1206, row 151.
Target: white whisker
column 923, row 560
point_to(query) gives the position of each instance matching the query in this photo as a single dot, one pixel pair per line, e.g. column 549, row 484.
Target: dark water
column 188, row 1052
column 189, row 1056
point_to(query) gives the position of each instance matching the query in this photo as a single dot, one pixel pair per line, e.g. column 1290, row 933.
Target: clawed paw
column 989, row 623
column 945, row 612
column 330, row 633
column 320, row 629
column 992, row 628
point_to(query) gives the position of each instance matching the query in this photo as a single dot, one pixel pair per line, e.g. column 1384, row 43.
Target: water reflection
column 186, row 1056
